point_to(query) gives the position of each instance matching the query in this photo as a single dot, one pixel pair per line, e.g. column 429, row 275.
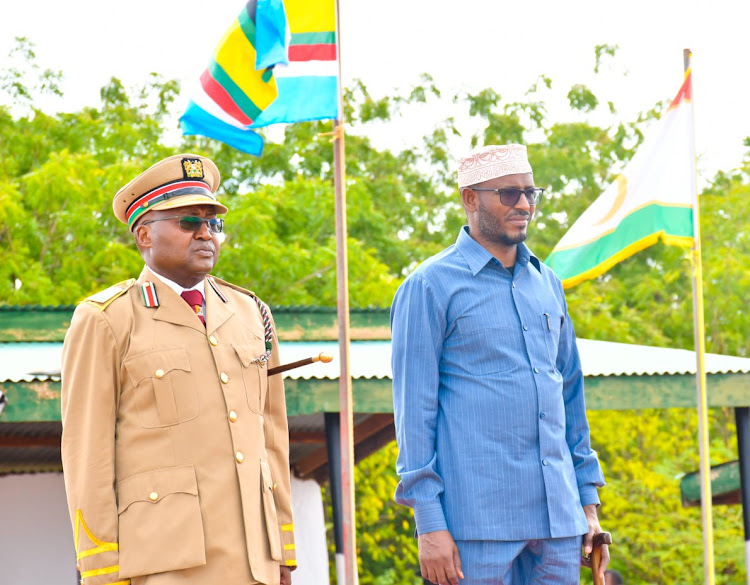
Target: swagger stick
column 323, row 357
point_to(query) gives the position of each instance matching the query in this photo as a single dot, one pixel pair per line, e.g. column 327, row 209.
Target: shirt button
column 213, row 341
column 514, row 285
column 224, row 377
column 536, row 370
column 153, row 496
column 232, row 416
column 525, row 328
column 239, row 457
column 542, row 415
column 544, row 462
column 159, row 373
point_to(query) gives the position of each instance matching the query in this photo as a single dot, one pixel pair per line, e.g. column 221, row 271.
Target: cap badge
column 193, row 168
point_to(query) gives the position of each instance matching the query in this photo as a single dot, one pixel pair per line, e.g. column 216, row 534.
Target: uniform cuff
column 588, row 494
column 289, row 554
column 430, row 518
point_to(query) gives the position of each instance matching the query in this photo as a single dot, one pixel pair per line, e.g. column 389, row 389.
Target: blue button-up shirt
column 488, row 399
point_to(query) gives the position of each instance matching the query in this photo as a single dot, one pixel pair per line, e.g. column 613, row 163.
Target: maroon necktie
column 194, row 298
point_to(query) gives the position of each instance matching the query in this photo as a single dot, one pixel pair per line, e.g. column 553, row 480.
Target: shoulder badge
column 103, row 298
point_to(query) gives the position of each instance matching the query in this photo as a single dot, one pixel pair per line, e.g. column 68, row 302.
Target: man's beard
column 491, row 229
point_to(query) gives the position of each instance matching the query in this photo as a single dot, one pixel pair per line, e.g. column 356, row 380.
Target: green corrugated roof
column 314, row 388
column 293, row 323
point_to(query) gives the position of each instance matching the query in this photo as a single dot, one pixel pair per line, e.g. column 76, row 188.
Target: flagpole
column 700, row 352
column 346, row 416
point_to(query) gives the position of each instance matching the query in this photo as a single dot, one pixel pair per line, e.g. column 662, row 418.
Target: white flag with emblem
column 651, row 200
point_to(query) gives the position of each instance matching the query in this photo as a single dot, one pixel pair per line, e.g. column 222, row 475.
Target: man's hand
column 588, row 540
column 439, row 559
column 286, row 575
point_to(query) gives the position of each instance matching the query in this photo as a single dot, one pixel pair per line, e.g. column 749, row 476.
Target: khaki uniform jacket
column 175, row 443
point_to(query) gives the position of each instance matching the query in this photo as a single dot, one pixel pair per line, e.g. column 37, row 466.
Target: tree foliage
column 60, row 242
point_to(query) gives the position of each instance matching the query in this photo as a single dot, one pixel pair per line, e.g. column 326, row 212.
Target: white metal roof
column 372, row 359
column 26, row 362
column 607, row 358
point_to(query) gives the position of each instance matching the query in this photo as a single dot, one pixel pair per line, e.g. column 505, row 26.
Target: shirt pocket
column 165, row 390
column 254, row 373
column 487, row 346
column 551, row 326
column 269, row 510
column 160, row 522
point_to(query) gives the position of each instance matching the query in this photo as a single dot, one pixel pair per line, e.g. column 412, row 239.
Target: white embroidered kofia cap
column 491, row 162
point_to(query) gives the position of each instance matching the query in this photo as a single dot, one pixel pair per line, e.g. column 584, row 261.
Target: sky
column 465, row 45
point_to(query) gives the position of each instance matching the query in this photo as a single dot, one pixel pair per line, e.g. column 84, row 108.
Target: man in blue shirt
column 494, row 451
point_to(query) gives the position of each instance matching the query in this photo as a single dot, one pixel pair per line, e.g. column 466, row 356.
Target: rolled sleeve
column 588, row 494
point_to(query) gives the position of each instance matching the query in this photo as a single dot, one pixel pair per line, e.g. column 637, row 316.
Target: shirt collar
column 477, row 256
column 200, row 287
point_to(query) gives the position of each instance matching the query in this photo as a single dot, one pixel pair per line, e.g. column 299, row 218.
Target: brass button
column 224, row 377
column 232, row 416
column 213, row 341
column 239, row 457
column 153, row 496
column 159, row 373
column 274, row 487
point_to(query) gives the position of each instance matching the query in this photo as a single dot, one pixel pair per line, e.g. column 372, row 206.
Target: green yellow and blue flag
column 309, row 83
column 278, row 62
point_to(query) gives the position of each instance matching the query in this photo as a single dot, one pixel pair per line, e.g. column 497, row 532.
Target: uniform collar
column 172, row 309
column 477, row 256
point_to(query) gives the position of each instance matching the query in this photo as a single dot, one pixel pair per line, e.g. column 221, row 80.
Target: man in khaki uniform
column 175, row 442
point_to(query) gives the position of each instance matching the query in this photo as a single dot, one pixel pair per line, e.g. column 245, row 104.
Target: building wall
column 36, row 540
column 309, row 533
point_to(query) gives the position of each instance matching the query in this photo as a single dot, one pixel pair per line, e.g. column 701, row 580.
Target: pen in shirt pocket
column 549, row 324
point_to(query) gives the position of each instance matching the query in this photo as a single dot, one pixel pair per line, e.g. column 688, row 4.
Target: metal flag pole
column 345, row 381
column 700, row 373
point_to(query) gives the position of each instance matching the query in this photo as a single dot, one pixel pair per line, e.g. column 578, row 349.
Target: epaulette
column 102, row 299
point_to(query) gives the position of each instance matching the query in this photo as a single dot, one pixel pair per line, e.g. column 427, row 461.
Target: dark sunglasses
column 510, row 196
column 190, row 223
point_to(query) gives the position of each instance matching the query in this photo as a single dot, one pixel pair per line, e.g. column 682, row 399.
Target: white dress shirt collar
column 200, row 287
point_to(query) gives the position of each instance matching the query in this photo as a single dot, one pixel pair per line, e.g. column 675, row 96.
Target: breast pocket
column 552, row 325
column 485, row 345
column 254, row 373
column 165, row 392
